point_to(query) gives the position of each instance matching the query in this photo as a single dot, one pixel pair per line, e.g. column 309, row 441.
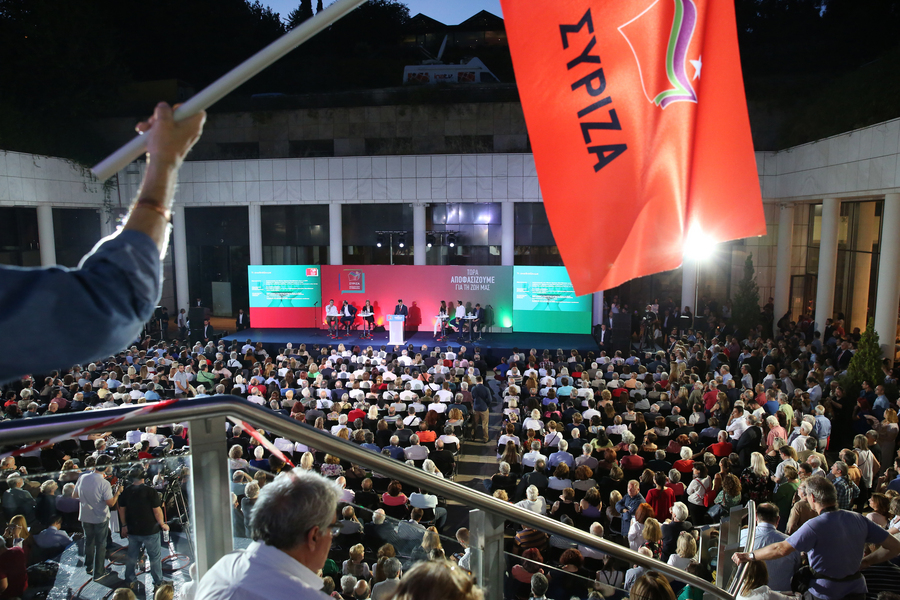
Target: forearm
column 158, row 514
column 773, row 551
column 155, row 197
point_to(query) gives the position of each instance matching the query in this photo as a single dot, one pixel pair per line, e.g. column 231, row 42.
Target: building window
column 238, row 150
column 310, row 148
column 391, row 145
column 295, row 235
column 469, row 144
column 534, row 241
column 75, row 231
column 478, row 230
column 360, row 224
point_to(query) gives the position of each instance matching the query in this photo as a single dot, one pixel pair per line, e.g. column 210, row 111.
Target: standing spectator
column 141, row 513
column 661, row 498
column 834, row 542
column 846, row 490
column 13, row 576
column 628, row 505
column 481, row 402
column 96, row 497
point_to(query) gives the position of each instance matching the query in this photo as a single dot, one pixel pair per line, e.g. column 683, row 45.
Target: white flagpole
column 225, row 84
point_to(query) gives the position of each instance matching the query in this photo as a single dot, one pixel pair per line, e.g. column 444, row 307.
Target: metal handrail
column 22, row 431
column 738, row 579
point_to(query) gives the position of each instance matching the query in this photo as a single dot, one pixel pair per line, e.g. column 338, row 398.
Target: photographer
column 142, row 518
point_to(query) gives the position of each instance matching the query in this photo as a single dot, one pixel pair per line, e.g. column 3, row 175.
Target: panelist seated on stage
column 478, row 321
column 368, row 314
column 348, row 315
column 332, row 314
column 456, row 323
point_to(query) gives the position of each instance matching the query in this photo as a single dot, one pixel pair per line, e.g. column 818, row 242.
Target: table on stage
column 470, row 319
column 443, row 320
column 367, row 331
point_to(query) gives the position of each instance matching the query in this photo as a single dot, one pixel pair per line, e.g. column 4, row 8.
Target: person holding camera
column 141, row 514
column 96, row 497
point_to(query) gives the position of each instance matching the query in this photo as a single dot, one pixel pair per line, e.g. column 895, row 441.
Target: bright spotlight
column 380, row 240
column 451, row 240
column 698, row 245
column 402, row 241
column 429, row 240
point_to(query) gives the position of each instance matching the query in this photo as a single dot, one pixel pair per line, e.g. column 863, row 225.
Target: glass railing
column 207, row 522
column 44, row 522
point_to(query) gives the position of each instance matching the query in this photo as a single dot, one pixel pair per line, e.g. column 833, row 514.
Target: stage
column 493, row 346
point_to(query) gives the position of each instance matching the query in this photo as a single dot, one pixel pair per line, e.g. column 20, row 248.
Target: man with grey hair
column 845, row 490
column 385, row 589
column 292, row 526
column 834, row 542
column 587, row 551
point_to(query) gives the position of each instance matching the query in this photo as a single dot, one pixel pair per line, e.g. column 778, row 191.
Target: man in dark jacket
column 481, row 403
column 750, row 441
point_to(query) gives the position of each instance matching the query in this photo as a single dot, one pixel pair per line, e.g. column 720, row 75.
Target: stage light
column 429, row 240
column 401, row 242
column 451, row 240
column 380, row 241
column 698, row 245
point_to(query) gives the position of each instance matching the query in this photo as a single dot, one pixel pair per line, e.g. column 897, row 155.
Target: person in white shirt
column 438, row 407
column 739, row 423
column 756, row 584
column 293, row 524
column 444, row 394
column 799, row 443
column 533, row 501
column 332, row 314
column 530, row 458
column 342, row 424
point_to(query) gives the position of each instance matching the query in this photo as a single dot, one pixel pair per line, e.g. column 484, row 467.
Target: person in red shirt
column 711, row 397
column 723, row 447
column 632, row 462
column 686, row 465
column 661, row 498
column 356, row 413
column 13, row 576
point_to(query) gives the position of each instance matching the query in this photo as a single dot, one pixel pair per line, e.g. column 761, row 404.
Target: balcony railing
column 209, row 486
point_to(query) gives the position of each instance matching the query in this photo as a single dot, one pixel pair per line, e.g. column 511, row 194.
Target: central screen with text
column 421, row 288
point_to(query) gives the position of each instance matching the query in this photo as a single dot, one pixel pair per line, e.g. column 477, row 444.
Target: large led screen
column 284, row 295
column 421, row 288
column 544, row 301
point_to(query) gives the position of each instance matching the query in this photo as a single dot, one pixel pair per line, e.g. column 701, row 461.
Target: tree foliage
column 300, row 14
column 866, row 362
column 745, row 301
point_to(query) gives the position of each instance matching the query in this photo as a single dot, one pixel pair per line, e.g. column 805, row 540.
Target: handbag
column 716, row 512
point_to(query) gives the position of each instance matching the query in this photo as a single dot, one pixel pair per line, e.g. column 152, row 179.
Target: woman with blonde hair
column 307, row 461
column 756, row 580
column 355, row 565
column 652, row 534
column 651, row 586
column 755, row 479
column 685, row 551
column 437, row 580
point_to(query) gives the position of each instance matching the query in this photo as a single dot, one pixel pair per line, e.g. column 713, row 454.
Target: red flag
column 638, row 121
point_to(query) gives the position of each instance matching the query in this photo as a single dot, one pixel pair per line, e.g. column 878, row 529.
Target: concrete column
column 782, row 293
column 107, row 222
column 336, row 232
column 887, row 297
column 45, row 235
column 862, row 267
column 419, row 247
column 179, row 258
column 508, row 234
column 254, row 224
column 828, row 246
column 688, row 284
column 598, row 307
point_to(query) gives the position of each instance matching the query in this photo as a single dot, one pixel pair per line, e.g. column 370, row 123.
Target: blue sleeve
column 874, row 533
column 804, row 539
column 56, row 317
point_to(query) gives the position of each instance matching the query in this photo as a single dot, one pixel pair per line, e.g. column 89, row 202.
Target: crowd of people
column 641, row 449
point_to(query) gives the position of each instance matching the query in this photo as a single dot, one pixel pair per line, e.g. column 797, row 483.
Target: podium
column 395, row 329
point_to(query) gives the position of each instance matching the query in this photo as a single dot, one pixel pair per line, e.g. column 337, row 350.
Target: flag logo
column 665, row 79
